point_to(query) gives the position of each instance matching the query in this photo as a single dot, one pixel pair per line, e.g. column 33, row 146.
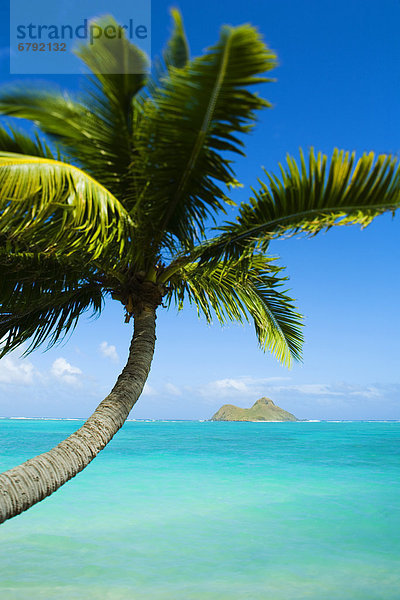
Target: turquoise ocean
column 211, row 511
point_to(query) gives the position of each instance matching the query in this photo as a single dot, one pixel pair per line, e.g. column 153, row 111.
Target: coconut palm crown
column 118, row 203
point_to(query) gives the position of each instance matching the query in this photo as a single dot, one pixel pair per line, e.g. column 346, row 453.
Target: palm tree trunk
column 33, row 480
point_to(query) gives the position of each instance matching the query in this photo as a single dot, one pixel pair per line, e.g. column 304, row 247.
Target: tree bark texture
column 29, row 483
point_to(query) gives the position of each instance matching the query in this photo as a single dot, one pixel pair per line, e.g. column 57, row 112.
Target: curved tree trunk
column 33, row 480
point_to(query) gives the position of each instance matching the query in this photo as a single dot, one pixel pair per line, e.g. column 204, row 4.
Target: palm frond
column 119, row 68
column 42, row 297
column 239, row 289
column 309, row 200
column 20, row 143
column 94, row 129
column 192, row 118
column 52, row 206
column 91, row 140
column 176, row 53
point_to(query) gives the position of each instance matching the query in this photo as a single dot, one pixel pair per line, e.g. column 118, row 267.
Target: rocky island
column 262, row 410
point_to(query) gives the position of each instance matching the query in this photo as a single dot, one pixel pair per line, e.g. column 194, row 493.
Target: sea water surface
column 211, row 511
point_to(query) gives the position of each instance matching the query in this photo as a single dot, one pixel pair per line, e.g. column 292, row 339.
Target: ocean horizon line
column 148, row 420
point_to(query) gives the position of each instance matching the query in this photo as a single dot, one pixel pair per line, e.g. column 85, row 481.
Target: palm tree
column 119, row 203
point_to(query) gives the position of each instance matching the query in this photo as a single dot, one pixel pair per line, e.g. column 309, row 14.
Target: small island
column 262, row 410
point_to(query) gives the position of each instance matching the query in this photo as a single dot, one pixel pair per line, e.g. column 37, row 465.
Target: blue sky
column 338, row 85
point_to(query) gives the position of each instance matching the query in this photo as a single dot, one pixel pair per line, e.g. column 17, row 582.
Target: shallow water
column 211, row 511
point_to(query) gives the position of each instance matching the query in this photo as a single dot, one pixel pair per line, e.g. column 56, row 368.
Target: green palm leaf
column 93, row 140
column 42, row 297
column 56, row 207
column 95, row 130
column 239, row 289
column 308, row 200
column 176, row 53
column 19, row 143
column 119, row 68
column 191, row 119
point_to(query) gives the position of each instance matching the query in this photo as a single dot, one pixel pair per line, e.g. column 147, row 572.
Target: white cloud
column 237, row 387
column 63, row 370
column 231, row 385
column 167, row 388
column 336, row 389
column 16, row 371
column 109, row 351
column 170, row 388
column 368, row 392
column 148, row 390
column 310, row 389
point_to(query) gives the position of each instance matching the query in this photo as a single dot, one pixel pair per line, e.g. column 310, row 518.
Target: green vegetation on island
column 262, row 410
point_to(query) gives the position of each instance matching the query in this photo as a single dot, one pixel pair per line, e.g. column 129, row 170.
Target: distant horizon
column 15, row 418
